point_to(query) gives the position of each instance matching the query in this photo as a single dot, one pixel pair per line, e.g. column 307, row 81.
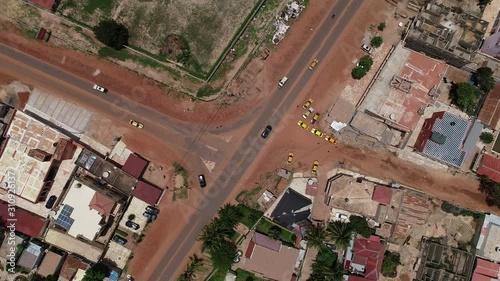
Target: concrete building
column 50, row 264
column 485, row 270
column 489, row 239
column 491, row 45
column 31, row 256
column 446, row 33
column 364, row 258
column 33, row 153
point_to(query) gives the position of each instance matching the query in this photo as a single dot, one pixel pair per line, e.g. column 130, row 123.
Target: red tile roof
column 102, row 204
column 480, row 277
column 373, row 251
column 490, row 166
column 135, row 165
column 382, row 194
column 249, row 252
column 266, row 242
column 357, row 278
column 26, row 223
column 147, row 193
column 71, row 266
column 487, row 268
column 47, row 4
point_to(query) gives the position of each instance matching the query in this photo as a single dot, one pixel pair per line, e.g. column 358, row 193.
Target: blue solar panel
column 64, row 219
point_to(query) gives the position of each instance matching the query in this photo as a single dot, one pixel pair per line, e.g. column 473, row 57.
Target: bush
column 465, row 96
column 377, row 41
column 483, row 78
column 366, row 62
column 360, row 226
column 131, row 217
column 381, row 26
column 390, row 264
column 112, row 34
column 486, row 137
column 358, row 72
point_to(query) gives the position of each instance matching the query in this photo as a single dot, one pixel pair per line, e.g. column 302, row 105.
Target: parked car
column 315, row 118
column 366, row 48
column 120, row 240
column 201, row 179
column 309, row 111
column 313, row 64
column 266, row 131
column 341, row 216
column 152, row 210
column 282, row 82
column 330, row 139
column 136, row 124
column 100, row 88
column 315, row 167
column 317, row 132
column 149, row 216
column 303, row 125
column 133, row 225
column 307, row 104
column 50, row 202
column 290, row 158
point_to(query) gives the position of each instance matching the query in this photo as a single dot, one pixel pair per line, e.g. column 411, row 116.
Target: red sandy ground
column 328, row 75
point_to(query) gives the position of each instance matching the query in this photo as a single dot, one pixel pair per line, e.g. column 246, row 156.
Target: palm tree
column 340, row 232
column 213, row 234
column 195, row 263
column 230, row 215
column 316, row 236
column 325, row 272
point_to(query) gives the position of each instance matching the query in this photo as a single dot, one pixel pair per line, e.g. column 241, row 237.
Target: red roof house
column 382, row 194
column 26, row 223
column 147, row 193
column 485, row 270
column 368, row 255
column 490, row 167
column 102, row 204
column 135, row 165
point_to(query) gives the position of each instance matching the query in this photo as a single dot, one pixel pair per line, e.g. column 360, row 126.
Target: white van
column 282, row 82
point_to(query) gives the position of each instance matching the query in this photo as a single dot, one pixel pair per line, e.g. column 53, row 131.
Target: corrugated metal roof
column 490, row 166
column 454, row 129
column 473, row 137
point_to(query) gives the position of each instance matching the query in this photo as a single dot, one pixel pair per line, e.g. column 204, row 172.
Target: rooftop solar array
column 64, row 219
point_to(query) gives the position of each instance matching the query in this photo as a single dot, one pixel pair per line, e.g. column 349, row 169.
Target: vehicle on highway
column 317, row 132
column 152, row 210
column 201, row 179
column 330, row 139
column 315, row 167
column 341, row 216
column 266, row 132
column 290, row 158
column 315, row 118
column 136, row 124
column 307, row 104
column 133, row 225
column 313, row 64
column 366, row 48
column 119, row 240
column 149, row 216
column 50, row 202
column 309, row 111
column 282, row 82
column 100, row 88
column 303, row 125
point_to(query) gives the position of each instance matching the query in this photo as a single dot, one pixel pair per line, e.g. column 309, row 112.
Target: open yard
column 193, row 32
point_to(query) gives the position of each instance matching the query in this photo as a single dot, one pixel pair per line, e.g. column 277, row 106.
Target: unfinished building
column 446, row 33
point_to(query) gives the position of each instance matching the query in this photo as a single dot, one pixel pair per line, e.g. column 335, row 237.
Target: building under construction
column 446, row 33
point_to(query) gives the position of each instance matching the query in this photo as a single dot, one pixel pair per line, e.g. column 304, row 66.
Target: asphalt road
column 272, row 113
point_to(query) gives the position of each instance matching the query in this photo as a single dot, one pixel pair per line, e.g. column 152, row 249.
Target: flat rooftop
column 106, row 171
column 404, row 86
column 91, row 252
column 25, row 134
column 489, row 238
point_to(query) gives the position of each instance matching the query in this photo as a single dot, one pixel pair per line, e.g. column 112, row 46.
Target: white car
column 100, row 88
column 341, row 216
column 366, row 48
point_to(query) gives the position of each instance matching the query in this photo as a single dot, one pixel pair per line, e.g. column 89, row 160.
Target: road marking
column 212, row 148
column 209, row 164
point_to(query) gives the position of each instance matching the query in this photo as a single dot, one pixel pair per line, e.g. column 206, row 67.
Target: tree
column 194, row 265
column 326, row 267
column 96, row 273
column 484, row 2
column 390, row 264
column 316, row 236
column 486, row 137
column 377, row 41
column 274, row 232
column 112, row 34
column 465, row 96
column 483, row 78
column 360, row 226
column 36, row 277
column 340, row 232
column 491, row 189
column 358, row 72
column 213, row 234
column 381, row 26
column 223, row 256
column 366, row 62
column 230, row 215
